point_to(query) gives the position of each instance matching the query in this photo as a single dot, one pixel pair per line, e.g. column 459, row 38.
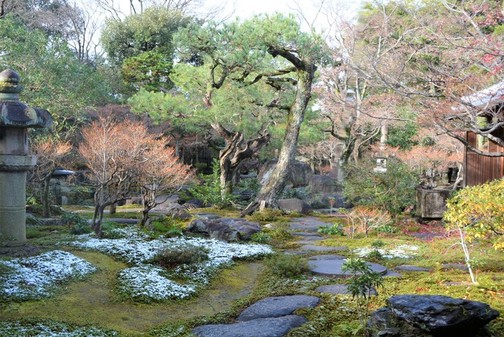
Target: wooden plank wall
column 480, row 169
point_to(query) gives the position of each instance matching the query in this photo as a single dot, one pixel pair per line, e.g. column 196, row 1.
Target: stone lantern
column 15, row 160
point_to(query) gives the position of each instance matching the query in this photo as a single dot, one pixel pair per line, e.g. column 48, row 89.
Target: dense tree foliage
column 263, row 51
column 52, row 75
column 141, row 46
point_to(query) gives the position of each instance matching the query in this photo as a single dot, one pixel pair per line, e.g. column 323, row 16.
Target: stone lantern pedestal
column 15, row 160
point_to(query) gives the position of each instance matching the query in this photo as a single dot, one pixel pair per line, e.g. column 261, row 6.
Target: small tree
column 51, row 154
column 112, row 151
column 477, row 212
column 361, row 282
column 160, row 173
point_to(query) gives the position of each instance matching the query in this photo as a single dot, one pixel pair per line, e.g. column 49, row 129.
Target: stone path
column 269, row 317
column 274, row 316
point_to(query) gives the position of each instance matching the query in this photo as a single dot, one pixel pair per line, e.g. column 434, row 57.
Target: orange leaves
column 362, row 219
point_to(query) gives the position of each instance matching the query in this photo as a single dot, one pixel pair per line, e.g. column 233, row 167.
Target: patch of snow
column 402, row 251
column 143, row 281
column 37, row 276
column 149, row 282
column 43, row 330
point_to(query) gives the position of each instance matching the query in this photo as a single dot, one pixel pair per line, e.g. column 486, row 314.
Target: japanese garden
column 185, row 168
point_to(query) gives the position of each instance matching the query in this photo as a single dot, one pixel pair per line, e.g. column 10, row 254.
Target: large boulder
column 294, row 205
column 430, row 315
column 323, row 184
column 300, row 173
column 225, row 229
column 176, row 211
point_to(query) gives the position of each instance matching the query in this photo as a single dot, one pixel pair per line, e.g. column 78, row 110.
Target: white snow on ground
column 43, row 330
column 402, row 251
column 148, row 282
column 144, row 281
column 37, row 276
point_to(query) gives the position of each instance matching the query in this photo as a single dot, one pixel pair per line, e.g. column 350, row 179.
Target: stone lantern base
column 13, row 198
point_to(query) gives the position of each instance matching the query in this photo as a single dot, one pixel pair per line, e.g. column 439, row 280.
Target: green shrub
column 110, row 230
column 266, row 215
column 479, row 212
column 189, row 254
column 335, row 229
column 261, row 237
column 78, row 225
column 281, row 232
column 166, row 226
column 289, row 266
column 394, row 190
column 209, row 191
column 377, row 244
column 374, row 255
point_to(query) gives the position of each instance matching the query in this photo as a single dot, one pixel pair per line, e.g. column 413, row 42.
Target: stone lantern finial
column 9, row 82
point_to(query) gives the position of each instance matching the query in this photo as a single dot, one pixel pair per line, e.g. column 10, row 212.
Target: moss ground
column 93, row 300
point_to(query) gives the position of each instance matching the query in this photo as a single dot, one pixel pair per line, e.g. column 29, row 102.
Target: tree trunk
column 234, row 153
column 45, row 197
column 272, row 189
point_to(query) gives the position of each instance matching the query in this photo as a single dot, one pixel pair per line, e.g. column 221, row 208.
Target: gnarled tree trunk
column 235, row 152
column 271, row 190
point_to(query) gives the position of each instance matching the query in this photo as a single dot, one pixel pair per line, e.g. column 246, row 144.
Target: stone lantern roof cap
column 14, row 113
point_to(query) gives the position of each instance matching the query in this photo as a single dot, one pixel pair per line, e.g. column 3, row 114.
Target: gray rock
column 225, row 229
column 407, row 267
column 323, row 184
column 333, row 267
column 261, row 327
column 314, row 248
column 307, row 224
column 294, row 205
column 277, row 306
column 459, row 266
column 437, row 313
column 430, row 315
column 177, row 211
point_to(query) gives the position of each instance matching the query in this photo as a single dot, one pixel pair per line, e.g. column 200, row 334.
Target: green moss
column 94, row 302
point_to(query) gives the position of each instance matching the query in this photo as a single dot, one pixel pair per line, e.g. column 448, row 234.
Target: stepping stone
column 307, row 224
column 408, row 267
column 261, row 327
column 308, row 234
column 332, row 267
column 391, row 273
column 314, row 248
column 339, row 289
column 459, row 266
column 277, row 306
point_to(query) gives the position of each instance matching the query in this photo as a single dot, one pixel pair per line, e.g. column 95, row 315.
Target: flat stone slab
column 340, row 289
column 277, row 306
column 332, row 267
column 307, row 224
column 459, row 266
column 261, row 327
column 308, row 234
column 408, row 267
column 314, row 248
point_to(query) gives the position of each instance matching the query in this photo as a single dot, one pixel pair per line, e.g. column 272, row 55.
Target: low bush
column 261, row 237
column 335, row 229
column 172, row 257
column 78, row 225
column 289, row 266
column 266, row 215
